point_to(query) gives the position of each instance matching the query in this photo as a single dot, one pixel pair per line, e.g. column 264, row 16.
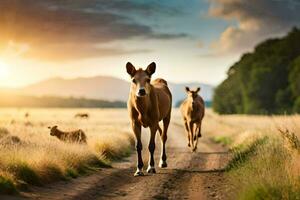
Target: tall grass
column 244, row 152
column 30, row 156
column 264, row 172
column 266, row 159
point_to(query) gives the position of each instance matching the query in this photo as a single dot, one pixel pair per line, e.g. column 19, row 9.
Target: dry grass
column 266, row 154
column 29, row 155
column 265, row 165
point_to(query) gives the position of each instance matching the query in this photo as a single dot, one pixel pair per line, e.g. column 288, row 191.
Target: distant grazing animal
column 10, row 140
column 148, row 104
column 26, row 115
column 28, row 123
column 77, row 136
column 192, row 110
column 82, row 115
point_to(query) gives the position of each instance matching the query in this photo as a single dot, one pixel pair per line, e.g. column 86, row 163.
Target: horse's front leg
column 187, row 132
column 137, row 133
column 191, row 132
column 151, row 167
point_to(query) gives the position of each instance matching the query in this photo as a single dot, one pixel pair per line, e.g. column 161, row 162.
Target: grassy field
column 29, row 155
column 265, row 149
column 266, row 154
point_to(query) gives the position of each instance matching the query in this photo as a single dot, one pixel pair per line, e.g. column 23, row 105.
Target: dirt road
column 189, row 176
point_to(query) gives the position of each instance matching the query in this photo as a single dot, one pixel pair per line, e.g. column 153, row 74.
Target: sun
column 4, row 70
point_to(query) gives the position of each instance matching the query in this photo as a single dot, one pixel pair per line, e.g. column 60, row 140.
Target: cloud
column 72, row 52
column 53, row 26
column 253, row 21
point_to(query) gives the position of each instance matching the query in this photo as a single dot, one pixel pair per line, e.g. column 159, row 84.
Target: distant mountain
column 102, row 87
column 99, row 87
column 178, row 91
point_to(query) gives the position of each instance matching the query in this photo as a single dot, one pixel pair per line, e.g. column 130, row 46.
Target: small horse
column 148, row 104
column 192, row 110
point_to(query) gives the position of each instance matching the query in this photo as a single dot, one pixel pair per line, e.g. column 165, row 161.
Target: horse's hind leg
column 159, row 130
column 198, row 129
column 164, row 137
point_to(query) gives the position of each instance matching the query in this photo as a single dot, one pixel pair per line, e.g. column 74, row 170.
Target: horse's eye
column 148, row 80
column 133, row 80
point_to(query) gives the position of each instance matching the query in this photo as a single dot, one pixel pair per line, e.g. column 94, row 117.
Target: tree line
column 266, row 81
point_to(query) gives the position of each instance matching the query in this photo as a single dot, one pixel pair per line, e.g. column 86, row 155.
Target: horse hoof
column 189, row 145
column 199, row 135
column 151, row 170
column 195, row 138
column 138, row 173
column 163, row 164
column 195, row 149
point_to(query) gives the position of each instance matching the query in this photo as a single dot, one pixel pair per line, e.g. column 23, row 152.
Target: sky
column 190, row 40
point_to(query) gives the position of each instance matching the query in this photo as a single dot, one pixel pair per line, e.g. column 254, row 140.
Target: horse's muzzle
column 141, row 92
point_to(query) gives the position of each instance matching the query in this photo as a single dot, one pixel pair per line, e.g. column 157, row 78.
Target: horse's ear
column 151, row 69
column 187, row 89
column 198, row 89
column 130, row 69
column 49, row 127
column 55, row 127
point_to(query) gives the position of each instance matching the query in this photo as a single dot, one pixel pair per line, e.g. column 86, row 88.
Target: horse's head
column 140, row 79
column 192, row 94
column 53, row 130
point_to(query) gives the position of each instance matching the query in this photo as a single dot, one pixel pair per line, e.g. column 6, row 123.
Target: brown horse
column 148, row 104
column 192, row 110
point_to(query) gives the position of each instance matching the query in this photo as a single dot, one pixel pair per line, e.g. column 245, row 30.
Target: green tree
column 266, row 81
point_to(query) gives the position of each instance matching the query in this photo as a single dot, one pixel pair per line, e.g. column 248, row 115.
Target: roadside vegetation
column 225, row 141
column 30, row 156
column 265, row 149
column 265, row 162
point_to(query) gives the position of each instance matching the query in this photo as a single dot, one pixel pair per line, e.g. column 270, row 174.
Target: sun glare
column 4, row 70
